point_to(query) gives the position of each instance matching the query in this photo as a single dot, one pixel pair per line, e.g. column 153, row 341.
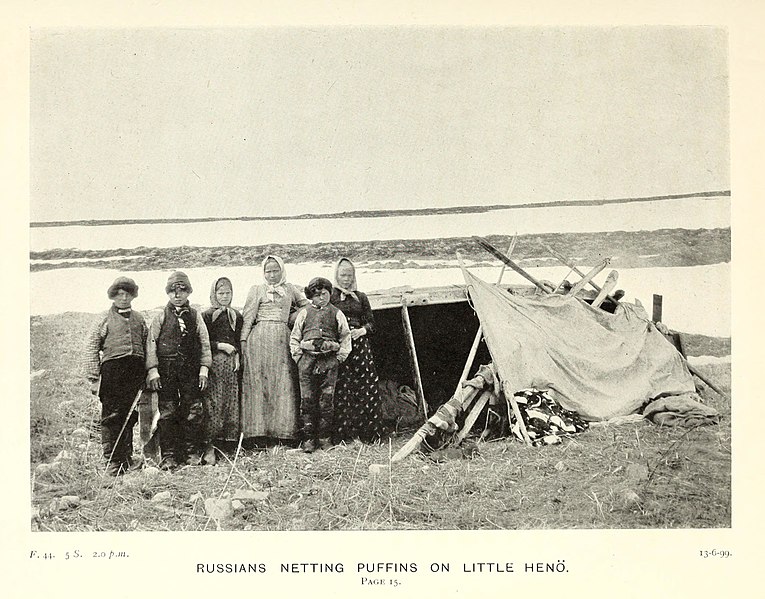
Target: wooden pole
column 492, row 250
column 413, row 355
column 516, row 410
column 479, row 332
column 692, row 369
column 483, row 399
column 658, row 301
column 589, row 276
column 608, row 286
column 508, row 392
column 466, row 395
column 566, row 262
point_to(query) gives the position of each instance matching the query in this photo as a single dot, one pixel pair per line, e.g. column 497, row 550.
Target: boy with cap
column 320, row 341
column 114, row 365
column 178, row 357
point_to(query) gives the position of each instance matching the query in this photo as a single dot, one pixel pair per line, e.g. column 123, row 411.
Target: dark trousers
column 318, row 377
column 181, row 413
column 121, row 380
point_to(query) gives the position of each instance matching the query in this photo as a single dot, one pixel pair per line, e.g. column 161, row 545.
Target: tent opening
column 443, row 335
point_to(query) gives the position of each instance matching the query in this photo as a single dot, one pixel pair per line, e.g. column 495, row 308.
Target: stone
column 629, row 496
column 378, row 469
column 636, row 472
column 219, row 509
column 68, row 502
column 64, row 456
column 162, row 496
column 46, row 470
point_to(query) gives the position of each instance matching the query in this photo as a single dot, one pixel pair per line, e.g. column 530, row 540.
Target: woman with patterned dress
column 357, row 394
column 270, row 393
column 224, row 325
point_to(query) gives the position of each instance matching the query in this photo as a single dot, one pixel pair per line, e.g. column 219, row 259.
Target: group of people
column 295, row 367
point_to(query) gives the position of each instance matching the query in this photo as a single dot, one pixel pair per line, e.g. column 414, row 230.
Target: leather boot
column 310, row 440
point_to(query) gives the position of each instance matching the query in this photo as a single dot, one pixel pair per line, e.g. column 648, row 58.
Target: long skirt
column 357, row 395
column 222, row 399
column 270, row 398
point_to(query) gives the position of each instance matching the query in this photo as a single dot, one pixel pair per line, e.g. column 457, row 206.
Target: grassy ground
column 634, row 475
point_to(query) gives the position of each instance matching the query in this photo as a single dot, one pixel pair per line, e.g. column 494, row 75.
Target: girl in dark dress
column 224, row 325
column 357, row 394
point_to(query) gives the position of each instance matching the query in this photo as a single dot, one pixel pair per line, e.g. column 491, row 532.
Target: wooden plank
column 475, row 412
column 657, row 307
column 413, row 357
column 608, row 287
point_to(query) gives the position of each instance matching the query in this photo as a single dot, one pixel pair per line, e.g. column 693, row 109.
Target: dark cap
column 317, row 284
column 178, row 280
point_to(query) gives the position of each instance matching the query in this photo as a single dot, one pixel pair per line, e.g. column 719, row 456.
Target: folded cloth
column 680, row 410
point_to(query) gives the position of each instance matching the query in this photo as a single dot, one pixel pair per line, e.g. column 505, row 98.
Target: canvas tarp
column 598, row 364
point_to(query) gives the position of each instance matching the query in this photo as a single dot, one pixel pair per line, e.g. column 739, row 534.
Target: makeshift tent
column 598, row 364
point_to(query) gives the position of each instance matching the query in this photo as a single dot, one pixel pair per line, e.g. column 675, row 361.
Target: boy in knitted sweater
column 320, row 341
column 114, row 365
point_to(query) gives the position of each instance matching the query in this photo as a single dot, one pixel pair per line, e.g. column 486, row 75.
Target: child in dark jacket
column 114, row 365
column 319, row 342
column 178, row 358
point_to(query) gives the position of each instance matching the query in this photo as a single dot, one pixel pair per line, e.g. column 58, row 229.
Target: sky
column 164, row 123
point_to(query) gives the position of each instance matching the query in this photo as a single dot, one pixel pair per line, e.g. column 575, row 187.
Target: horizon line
column 377, row 213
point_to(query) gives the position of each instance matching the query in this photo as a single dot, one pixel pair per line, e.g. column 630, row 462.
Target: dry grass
column 629, row 476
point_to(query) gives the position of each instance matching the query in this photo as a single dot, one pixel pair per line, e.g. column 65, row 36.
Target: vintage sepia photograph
column 360, row 299
column 379, row 278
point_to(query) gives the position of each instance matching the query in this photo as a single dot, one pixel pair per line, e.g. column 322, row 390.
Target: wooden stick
column 413, row 355
column 566, row 262
column 508, row 394
column 568, row 274
column 475, row 412
column 693, row 370
column 589, row 276
column 608, row 286
column 492, row 250
column 426, row 430
column 429, row 428
column 479, row 332
column 516, row 410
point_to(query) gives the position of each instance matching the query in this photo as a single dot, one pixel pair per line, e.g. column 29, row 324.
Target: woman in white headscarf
column 270, row 396
column 224, row 325
column 357, row 393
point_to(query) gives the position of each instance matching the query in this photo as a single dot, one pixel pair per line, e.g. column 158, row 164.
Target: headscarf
column 352, row 287
column 278, row 288
column 219, row 309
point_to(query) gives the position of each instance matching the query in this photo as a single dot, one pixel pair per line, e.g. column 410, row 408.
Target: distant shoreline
column 380, row 213
column 630, row 249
